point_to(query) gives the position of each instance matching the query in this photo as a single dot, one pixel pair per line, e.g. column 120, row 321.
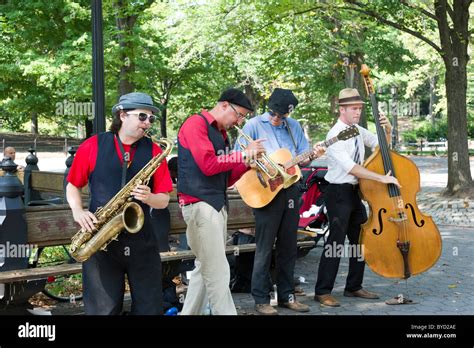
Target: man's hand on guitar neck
column 318, row 151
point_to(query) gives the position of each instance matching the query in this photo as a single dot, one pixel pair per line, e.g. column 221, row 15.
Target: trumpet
column 273, row 170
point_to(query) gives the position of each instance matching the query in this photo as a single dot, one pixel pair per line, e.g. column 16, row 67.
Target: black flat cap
column 282, row 101
column 237, row 97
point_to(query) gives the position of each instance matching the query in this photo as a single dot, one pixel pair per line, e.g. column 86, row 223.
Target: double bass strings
column 394, row 192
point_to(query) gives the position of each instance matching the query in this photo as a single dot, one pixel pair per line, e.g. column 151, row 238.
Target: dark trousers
column 136, row 256
column 346, row 213
column 278, row 220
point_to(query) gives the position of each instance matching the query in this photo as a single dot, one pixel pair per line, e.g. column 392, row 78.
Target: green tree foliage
column 450, row 20
column 42, row 60
column 185, row 53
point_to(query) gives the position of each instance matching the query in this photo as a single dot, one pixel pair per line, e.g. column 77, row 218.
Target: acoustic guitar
column 257, row 189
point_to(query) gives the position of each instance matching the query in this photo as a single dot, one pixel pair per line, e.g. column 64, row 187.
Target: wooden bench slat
column 44, row 272
column 54, row 225
column 39, row 272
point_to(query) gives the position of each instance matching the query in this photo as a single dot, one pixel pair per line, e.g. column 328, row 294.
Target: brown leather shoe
column 265, row 309
column 361, row 293
column 327, row 300
column 295, row 306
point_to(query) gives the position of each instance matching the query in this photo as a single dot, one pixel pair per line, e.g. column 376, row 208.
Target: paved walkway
column 443, row 290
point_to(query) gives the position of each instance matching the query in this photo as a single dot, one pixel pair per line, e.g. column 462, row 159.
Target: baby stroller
column 313, row 219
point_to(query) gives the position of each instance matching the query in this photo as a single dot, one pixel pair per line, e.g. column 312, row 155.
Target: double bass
column 398, row 240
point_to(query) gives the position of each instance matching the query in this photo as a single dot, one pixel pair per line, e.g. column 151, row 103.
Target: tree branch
column 231, row 9
column 450, row 11
column 390, row 23
column 277, row 19
column 419, row 9
column 144, row 6
column 444, row 29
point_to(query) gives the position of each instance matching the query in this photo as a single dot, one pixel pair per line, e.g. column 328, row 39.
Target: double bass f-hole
column 374, row 231
column 422, row 222
column 401, row 217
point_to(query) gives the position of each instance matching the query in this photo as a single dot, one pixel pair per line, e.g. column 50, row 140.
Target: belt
column 347, row 185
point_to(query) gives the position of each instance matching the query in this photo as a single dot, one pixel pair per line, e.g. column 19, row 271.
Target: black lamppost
column 98, row 67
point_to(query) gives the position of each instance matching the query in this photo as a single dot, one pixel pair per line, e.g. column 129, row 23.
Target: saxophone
column 119, row 213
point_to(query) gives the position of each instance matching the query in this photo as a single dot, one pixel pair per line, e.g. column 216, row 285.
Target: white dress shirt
column 341, row 154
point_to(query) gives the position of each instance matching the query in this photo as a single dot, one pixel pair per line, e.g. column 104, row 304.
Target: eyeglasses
column 144, row 116
column 275, row 114
column 239, row 114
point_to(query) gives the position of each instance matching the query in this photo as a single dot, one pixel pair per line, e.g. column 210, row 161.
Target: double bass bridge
column 401, row 217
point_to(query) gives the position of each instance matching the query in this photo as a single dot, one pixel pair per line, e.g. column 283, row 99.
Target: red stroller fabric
column 313, row 196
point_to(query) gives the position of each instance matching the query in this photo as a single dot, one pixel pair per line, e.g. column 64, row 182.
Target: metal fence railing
column 40, row 144
column 426, row 145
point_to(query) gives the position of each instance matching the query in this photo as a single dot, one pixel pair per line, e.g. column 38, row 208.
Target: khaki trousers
column 209, row 284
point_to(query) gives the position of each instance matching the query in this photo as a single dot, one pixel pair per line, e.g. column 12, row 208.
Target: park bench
column 53, row 225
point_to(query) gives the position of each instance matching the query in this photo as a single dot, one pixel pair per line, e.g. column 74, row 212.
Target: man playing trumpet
column 205, row 170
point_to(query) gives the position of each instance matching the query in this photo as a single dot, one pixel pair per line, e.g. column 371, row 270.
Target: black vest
column 106, row 178
column 193, row 182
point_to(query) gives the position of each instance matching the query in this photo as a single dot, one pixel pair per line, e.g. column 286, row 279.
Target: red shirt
column 86, row 157
column 194, row 131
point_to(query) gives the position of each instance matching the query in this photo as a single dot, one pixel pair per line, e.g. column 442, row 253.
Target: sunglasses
column 274, row 114
column 144, row 116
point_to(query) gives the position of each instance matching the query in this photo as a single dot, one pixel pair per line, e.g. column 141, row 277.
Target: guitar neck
column 307, row 154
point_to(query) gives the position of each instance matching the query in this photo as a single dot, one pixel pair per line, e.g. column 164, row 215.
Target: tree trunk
column 433, row 99
column 34, row 123
column 454, row 41
column 459, row 171
column 164, row 114
column 125, row 24
column 125, row 85
column 254, row 96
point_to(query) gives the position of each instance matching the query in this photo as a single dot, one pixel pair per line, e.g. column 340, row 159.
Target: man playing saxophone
column 205, row 170
column 106, row 162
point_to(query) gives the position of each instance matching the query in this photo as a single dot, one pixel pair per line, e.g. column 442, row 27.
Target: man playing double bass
column 345, row 209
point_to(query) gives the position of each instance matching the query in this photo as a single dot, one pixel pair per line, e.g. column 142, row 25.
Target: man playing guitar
column 278, row 220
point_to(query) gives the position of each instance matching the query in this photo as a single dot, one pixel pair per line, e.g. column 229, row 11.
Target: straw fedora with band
column 349, row 96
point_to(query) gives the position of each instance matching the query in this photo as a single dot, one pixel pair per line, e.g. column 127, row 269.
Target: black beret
column 282, row 101
column 237, row 97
